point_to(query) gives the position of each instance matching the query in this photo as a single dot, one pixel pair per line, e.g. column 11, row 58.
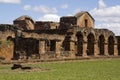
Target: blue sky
column 105, row 12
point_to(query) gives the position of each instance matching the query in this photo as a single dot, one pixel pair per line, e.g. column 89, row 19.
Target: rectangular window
column 52, row 45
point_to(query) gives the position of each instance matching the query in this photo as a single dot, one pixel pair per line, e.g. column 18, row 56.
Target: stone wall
column 24, row 23
column 25, row 48
column 40, row 25
column 6, row 50
column 85, row 21
column 118, row 44
column 74, row 36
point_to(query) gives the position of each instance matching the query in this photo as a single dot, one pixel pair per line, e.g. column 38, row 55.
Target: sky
column 105, row 12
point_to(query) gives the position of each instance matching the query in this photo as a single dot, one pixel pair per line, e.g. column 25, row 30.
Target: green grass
column 76, row 70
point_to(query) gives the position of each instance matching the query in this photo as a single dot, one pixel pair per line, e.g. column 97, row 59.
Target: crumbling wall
column 54, row 25
column 66, row 22
column 7, row 30
column 24, row 23
column 41, row 25
column 6, row 50
column 69, row 19
column 7, row 35
column 26, row 48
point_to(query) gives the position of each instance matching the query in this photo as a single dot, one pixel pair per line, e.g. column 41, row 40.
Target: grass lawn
column 76, row 70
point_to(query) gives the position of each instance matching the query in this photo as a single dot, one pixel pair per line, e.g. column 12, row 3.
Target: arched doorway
column 90, row 44
column 79, row 45
column 101, row 44
column 111, row 45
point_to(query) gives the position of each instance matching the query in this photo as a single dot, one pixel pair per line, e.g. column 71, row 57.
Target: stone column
column 96, row 49
column 106, row 48
column 84, row 49
column 84, row 46
column 115, row 49
column 58, row 49
column 42, row 49
column 72, row 49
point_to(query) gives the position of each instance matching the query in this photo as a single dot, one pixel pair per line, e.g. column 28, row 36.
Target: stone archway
column 79, row 45
column 111, row 45
column 90, row 44
column 101, row 44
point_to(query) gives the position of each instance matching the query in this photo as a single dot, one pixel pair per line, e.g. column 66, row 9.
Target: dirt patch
column 33, row 69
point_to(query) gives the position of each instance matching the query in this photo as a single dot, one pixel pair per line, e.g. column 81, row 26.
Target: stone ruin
column 74, row 36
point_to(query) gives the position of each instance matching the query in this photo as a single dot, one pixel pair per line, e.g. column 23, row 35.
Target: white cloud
column 108, row 16
column 10, row 1
column 45, row 9
column 50, row 17
column 70, row 15
column 76, row 10
column 101, row 4
column 41, row 9
column 27, row 7
column 108, row 11
column 64, row 6
column 110, row 19
column 115, row 27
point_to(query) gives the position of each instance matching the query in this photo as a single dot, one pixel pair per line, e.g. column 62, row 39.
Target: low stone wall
column 54, row 55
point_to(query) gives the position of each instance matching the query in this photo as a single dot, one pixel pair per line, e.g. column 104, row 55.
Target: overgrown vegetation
column 5, row 43
column 76, row 70
column 6, row 49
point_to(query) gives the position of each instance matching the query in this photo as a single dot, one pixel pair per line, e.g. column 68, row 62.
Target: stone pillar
column 58, row 49
column 84, row 46
column 106, row 48
column 84, row 49
column 42, row 49
column 72, row 49
column 96, row 49
column 115, row 49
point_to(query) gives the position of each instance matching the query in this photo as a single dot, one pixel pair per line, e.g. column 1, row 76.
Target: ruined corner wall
column 6, row 50
column 7, row 36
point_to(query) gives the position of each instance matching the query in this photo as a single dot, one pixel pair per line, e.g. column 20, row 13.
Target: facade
column 74, row 36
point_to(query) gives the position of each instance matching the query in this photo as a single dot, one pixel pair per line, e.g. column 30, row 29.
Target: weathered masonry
column 74, row 36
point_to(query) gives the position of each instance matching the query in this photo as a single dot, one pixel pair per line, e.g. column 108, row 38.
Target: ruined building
column 74, row 36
